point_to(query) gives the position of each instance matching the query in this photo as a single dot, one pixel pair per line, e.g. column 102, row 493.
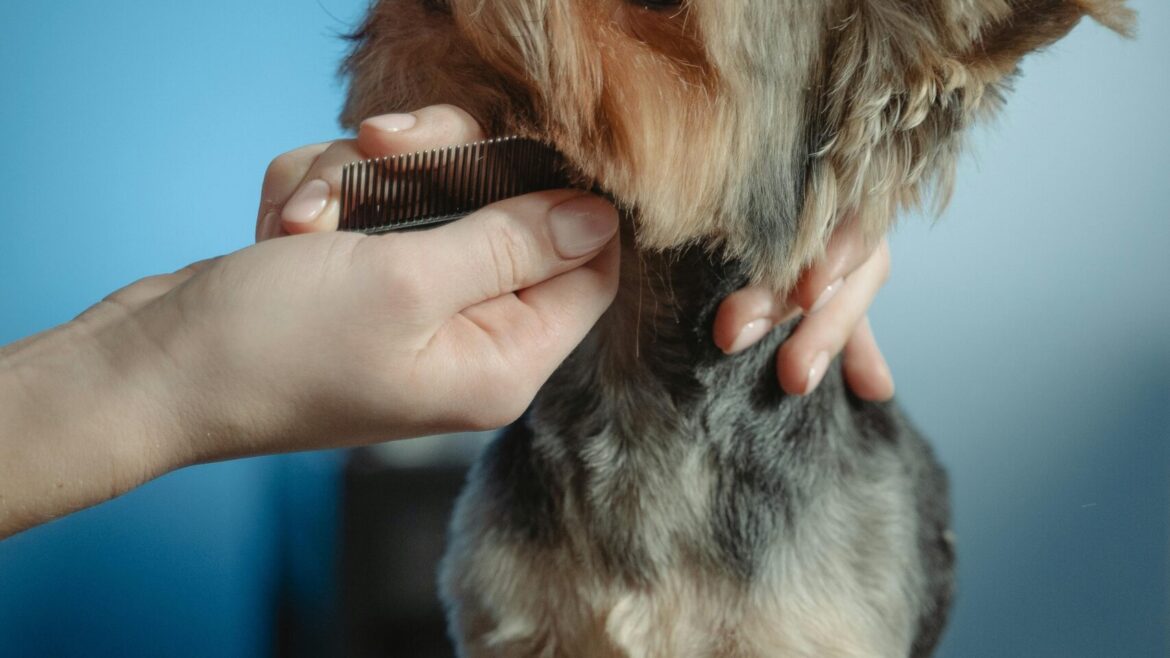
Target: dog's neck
column 651, row 360
column 625, row 432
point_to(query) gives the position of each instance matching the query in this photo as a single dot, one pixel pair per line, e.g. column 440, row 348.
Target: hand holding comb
column 428, row 188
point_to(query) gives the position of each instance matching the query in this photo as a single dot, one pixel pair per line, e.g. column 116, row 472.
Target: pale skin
column 323, row 339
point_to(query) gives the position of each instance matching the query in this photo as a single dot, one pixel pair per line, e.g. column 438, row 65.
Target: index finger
column 428, row 128
column 508, row 246
column 847, row 250
column 315, row 205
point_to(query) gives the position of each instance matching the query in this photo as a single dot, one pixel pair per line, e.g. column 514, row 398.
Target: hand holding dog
column 300, row 196
column 834, row 295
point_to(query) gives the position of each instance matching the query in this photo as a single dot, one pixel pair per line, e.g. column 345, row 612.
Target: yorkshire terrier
column 660, row 498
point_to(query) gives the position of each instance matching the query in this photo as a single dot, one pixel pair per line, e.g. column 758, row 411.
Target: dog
column 660, row 498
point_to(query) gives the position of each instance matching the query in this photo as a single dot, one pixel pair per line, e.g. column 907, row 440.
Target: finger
column 315, row 204
column 312, row 207
column 283, row 177
column 847, row 250
column 535, row 329
column 513, row 343
column 196, row 267
column 508, row 246
column 428, row 128
column 746, row 316
column 865, row 368
column 805, row 356
column 152, row 287
column 143, row 290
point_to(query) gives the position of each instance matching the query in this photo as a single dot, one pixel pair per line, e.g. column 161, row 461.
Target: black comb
column 439, row 186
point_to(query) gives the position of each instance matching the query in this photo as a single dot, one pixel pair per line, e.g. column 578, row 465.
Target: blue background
column 1029, row 329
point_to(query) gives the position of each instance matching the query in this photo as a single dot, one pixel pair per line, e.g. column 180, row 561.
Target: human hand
column 339, row 338
column 302, row 187
column 312, row 341
column 834, row 294
column 331, row 338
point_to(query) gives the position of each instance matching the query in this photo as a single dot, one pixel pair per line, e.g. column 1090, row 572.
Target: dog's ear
column 900, row 81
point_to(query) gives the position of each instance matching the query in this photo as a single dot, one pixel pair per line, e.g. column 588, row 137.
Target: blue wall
column 1029, row 332
column 135, row 138
column 1028, row 329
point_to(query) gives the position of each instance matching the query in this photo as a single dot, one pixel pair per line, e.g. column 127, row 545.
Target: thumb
column 509, row 246
column 534, row 330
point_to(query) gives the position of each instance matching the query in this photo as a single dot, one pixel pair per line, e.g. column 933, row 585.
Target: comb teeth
column 434, row 187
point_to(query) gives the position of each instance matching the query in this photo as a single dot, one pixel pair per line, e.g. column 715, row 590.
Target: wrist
column 81, row 422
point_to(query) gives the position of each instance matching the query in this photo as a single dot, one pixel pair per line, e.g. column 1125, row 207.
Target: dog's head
column 752, row 125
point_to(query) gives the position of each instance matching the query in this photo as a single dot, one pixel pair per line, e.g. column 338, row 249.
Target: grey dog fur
column 601, row 457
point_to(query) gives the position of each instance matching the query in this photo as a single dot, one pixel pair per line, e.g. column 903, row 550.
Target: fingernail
column 582, row 225
column 816, row 372
column 751, row 334
column 826, row 295
column 393, row 123
column 308, row 203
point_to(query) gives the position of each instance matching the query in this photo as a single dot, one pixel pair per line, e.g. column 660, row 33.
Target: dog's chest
column 638, row 508
column 694, row 515
column 804, row 604
column 641, row 569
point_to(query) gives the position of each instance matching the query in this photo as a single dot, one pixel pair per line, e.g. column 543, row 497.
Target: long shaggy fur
column 846, row 107
column 662, row 499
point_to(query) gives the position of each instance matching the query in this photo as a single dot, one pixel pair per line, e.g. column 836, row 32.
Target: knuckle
column 447, row 108
column 282, row 167
column 408, row 291
column 789, row 352
column 510, row 251
column 453, row 122
column 410, row 288
column 407, row 284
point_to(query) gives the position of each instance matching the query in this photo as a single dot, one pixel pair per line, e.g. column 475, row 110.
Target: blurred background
column 1029, row 332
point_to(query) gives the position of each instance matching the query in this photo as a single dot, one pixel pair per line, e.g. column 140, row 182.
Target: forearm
column 79, row 424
